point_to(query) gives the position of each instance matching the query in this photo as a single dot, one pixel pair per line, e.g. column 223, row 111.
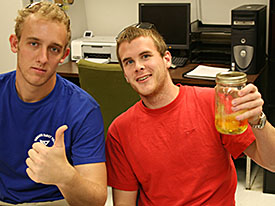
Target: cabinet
column 210, row 43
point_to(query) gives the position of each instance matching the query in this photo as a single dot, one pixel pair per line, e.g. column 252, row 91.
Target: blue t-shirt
column 22, row 124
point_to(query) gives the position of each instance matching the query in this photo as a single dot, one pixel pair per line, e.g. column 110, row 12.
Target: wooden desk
column 70, row 70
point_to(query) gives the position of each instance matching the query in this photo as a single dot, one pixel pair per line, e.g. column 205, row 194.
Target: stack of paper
column 98, row 60
column 205, row 72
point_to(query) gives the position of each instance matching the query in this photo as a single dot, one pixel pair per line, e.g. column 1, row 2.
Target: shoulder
column 124, row 120
column 200, row 94
column 195, row 90
column 7, row 76
column 7, row 80
column 73, row 94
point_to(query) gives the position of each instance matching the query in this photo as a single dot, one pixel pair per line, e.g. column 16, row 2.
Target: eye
column 55, row 50
column 129, row 62
column 34, row 44
column 145, row 56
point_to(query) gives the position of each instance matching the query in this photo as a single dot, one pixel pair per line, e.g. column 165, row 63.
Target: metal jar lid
column 231, row 78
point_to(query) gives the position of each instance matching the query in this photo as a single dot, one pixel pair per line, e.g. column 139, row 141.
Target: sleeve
column 236, row 144
column 120, row 174
column 88, row 143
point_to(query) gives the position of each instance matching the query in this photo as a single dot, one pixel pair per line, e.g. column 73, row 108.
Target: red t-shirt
column 174, row 155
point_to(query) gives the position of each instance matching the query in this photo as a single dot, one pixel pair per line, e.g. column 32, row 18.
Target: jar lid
column 231, row 77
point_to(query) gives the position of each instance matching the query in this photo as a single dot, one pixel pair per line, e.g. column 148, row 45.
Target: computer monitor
column 172, row 21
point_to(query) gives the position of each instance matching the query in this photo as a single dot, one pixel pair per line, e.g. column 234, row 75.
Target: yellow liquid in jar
column 227, row 124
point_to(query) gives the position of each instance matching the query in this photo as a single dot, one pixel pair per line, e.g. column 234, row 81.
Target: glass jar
column 227, row 86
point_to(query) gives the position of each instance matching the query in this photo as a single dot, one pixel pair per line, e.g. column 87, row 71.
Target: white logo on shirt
column 45, row 139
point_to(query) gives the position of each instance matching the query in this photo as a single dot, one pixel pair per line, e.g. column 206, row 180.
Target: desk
column 70, row 70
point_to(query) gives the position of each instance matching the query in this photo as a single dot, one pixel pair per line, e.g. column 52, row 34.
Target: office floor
column 254, row 196
column 244, row 197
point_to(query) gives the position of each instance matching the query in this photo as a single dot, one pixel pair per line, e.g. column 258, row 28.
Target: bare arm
column 262, row 150
column 124, row 198
column 86, row 185
column 80, row 185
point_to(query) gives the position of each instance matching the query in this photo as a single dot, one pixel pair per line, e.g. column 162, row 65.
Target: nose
column 139, row 66
column 42, row 56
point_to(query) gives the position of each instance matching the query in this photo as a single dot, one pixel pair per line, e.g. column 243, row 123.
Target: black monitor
column 172, row 21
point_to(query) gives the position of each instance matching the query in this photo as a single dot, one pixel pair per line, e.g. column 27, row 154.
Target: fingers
column 247, row 103
column 249, row 100
column 59, row 136
column 31, row 167
column 250, row 88
column 31, row 174
column 34, row 159
column 252, row 114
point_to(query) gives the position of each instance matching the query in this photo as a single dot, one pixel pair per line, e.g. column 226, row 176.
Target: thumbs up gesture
column 49, row 165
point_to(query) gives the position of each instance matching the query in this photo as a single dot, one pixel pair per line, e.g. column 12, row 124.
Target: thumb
column 59, row 136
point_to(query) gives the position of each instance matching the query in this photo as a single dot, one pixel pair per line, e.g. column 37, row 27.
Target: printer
column 95, row 47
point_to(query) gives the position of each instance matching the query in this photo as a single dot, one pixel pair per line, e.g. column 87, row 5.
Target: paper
column 97, row 60
column 205, row 72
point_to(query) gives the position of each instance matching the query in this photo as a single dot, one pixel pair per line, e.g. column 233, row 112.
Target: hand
column 251, row 100
column 48, row 165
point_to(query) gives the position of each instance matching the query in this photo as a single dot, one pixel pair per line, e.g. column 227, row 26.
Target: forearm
column 265, row 144
column 79, row 190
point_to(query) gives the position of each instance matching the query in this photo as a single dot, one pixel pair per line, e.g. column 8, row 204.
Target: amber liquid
column 229, row 125
column 225, row 118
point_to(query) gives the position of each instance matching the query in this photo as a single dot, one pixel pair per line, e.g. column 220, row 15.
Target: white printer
column 95, row 47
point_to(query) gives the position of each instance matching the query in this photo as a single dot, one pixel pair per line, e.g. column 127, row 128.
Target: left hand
column 251, row 100
column 48, row 165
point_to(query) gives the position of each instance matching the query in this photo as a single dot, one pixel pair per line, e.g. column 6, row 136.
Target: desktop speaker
column 248, row 38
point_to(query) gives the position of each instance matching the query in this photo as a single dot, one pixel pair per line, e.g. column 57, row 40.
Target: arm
column 124, row 198
column 86, row 185
column 80, row 185
column 261, row 150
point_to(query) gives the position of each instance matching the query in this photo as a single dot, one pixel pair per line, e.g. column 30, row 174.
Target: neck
column 34, row 93
column 166, row 95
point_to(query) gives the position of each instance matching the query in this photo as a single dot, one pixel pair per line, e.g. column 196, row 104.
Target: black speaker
column 248, row 38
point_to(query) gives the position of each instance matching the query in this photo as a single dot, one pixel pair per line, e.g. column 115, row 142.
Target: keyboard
column 178, row 61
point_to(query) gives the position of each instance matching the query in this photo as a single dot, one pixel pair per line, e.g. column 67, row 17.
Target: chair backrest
column 106, row 83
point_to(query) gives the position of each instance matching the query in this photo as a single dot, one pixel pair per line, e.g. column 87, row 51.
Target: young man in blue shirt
column 52, row 135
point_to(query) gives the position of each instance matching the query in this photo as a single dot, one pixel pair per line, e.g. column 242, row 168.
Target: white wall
column 8, row 12
column 219, row 11
column 109, row 17
column 77, row 13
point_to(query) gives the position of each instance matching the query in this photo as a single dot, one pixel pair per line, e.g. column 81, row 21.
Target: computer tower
column 269, row 177
column 248, row 38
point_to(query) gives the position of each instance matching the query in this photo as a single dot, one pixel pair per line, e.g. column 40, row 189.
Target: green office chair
column 106, row 83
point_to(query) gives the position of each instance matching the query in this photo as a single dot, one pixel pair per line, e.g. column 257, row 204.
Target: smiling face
column 40, row 49
column 143, row 66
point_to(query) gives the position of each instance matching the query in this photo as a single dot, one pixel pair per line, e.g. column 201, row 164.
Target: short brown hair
column 47, row 10
column 132, row 32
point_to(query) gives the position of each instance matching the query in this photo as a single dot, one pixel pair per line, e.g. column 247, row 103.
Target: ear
column 66, row 53
column 14, row 43
column 126, row 78
column 168, row 59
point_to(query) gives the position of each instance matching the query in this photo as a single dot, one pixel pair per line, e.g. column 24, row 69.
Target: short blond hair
column 130, row 33
column 47, row 10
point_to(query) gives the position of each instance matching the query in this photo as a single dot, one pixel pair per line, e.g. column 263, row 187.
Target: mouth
column 143, row 78
column 40, row 70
